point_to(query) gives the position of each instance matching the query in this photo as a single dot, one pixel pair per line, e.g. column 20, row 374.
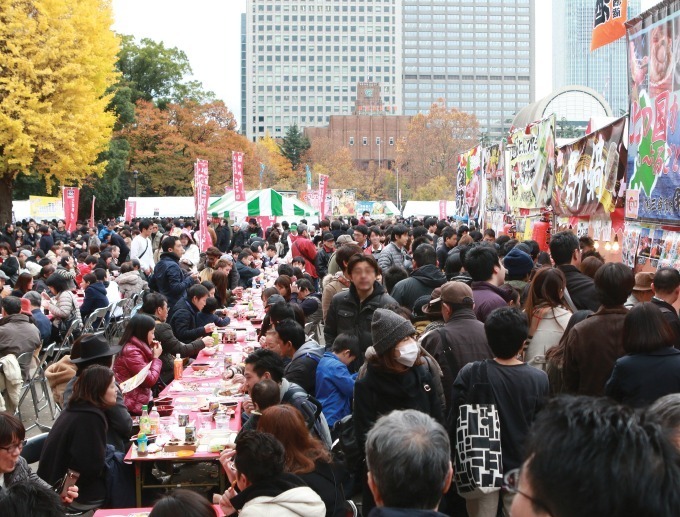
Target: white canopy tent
column 428, row 208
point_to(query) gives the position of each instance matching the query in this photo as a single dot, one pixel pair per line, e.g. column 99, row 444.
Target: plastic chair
column 33, row 448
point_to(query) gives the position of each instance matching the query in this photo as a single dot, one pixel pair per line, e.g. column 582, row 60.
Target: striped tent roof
column 265, row 202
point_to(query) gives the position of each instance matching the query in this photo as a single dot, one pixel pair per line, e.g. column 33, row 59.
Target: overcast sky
column 209, row 31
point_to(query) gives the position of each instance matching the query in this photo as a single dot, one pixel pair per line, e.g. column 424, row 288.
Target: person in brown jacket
column 594, row 345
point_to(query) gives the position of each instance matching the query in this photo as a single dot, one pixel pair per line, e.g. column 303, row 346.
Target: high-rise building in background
column 605, row 70
column 244, row 72
column 477, row 55
column 304, row 59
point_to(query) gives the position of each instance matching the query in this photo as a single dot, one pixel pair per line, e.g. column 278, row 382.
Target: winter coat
column 303, row 247
column 130, row 283
column 10, row 266
column 58, row 375
column 581, row 288
column 183, row 321
column 11, row 380
column 302, row 368
column 285, row 495
column 671, row 316
column 488, row 298
column 63, row 236
column 392, row 255
column 46, row 242
column 22, row 473
column 460, row 341
column 330, row 289
column 334, row 388
column 422, row 282
column 385, row 511
column 171, row 347
column 246, row 274
column 18, row 335
column 223, row 238
column 95, row 298
column 77, row 441
column 169, row 279
column 323, row 257
column 591, row 349
column 117, row 240
column 325, row 481
column 65, row 308
column 134, row 356
column 549, row 330
column 347, row 314
column 639, row 379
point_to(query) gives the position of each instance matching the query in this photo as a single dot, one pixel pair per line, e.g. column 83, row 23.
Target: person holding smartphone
column 139, row 349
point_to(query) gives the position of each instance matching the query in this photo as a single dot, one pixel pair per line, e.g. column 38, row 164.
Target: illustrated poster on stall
column 531, row 177
column 469, row 183
column 653, row 165
column 494, row 176
column 631, row 235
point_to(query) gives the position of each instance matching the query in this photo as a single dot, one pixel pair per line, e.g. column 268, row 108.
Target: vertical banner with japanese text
column 71, row 196
column 130, row 210
column 309, row 177
column 653, row 170
column 609, row 23
column 494, row 176
column 237, row 172
column 92, row 213
column 469, row 183
column 442, row 209
column 202, row 195
column 323, row 190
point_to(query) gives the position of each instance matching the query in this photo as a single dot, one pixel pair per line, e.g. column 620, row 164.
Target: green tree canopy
column 294, row 146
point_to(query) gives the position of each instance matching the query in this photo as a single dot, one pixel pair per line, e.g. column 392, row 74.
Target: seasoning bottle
column 178, row 367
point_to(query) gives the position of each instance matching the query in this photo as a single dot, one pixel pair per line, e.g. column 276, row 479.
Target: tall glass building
column 478, row 55
column 304, row 59
column 605, row 70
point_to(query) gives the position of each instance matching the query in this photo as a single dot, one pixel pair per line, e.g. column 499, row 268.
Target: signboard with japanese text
column 202, row 196
column 237, row 173
column 589, row 172
column 70, row 198
column 609, row 22
column 494, row 176
column 324, row 207
column 653, row 166
column 130, row 210
column 531, row 177
column 343, row 201
column 469, row 183
column 45, row 207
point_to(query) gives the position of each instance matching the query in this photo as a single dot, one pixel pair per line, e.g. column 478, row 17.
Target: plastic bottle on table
column 142, row 442
column 216, row 337
column 154, row 421
column 178, row 367
column 144, row 422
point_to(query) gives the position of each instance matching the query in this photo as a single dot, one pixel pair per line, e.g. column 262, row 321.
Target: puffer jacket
column 183, row 321
column 130, row 283
column 173, row 346
column 169, row 279
column 22, row 473
column 391, row 255
column 302, row 368
column 95, row 298
column 422, row 282
column 134, row 356
column 348, row 314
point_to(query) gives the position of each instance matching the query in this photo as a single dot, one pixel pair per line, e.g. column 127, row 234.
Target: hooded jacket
column 392, row 255
column 134, row 356
column 347, row 314
column 95, row 298
column 169, row 279
column 488, row 298
column 285, row 495
column 334, row 388
column 422, row 282
column 130, row 283
column 18, row 335
column 184, row 323
column 302, row 367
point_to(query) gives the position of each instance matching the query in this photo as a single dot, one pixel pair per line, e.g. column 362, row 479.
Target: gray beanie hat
column 387, row 329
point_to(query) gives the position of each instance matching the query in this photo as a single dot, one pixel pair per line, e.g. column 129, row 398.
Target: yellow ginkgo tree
column 57, row 63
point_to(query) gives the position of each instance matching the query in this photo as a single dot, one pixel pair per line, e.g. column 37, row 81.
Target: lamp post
column 135, row 173
column 378, row 141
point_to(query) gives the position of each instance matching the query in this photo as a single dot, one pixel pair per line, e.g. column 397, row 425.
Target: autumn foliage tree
column 56, row 64
column 427, row 157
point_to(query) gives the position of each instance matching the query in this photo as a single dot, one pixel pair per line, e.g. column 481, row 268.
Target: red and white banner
column 92, row 213
column 130, row 210
column 237, row 172
column 71, row 196
column 442, row 209
column 202, row 196
column 323, row 190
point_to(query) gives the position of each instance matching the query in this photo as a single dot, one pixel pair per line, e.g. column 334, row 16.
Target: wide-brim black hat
column 94, row 347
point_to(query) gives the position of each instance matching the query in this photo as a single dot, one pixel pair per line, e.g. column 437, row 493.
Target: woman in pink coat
column 139, row 349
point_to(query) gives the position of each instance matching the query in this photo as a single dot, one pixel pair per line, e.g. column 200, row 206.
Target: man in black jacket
column 324, row 255
column 565, row 252
column 223, row 236
column 183, row 320
column 304, row 355
column 666, row 289
column 425, row 278
column 168, row 278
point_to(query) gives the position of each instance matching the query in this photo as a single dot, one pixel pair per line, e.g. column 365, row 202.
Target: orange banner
column 609, row 22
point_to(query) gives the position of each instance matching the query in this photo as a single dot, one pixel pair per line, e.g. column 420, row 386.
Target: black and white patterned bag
column 479, row 465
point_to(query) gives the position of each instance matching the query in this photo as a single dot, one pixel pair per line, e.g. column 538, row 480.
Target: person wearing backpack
column 304, row 355
column 397, row 377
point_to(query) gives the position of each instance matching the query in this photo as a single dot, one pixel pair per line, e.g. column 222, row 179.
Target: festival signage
column 130, row 210
column 530, row 177
column 469, row 183
column 442, row 209
column 45, row 207
column 202, row 197
column 343, row 201
column 94, row 198
column 494, row 177
column 654, row 130
column 609, row 22
column 323, row 191
column 589, row 172
column 70, row 198
column 237, row 174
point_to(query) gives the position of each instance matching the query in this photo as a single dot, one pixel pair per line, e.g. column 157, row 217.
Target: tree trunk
column 6, row 186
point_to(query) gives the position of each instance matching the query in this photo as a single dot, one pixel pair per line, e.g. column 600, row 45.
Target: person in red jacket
column 139, row 349
column 303, row 247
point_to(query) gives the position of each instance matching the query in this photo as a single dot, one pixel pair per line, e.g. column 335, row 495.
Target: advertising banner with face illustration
column 653, row 168
column 494, row 176
column 469, row 183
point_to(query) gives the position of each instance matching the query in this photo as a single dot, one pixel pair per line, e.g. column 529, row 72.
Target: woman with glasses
column 13, row 468
column 77, row 441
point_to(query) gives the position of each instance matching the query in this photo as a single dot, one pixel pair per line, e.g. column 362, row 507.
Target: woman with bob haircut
column 651, row 368
column 139, row 349
column 78, row 439
column 306, row 456
column 546, row 311
column 185, row 503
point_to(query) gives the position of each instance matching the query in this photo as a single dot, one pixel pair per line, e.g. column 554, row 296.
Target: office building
column 605, row 70
column 304, row 59
column 477, row 55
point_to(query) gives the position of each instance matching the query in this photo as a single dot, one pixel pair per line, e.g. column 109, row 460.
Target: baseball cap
column 345, row 239
column 328, row 236
column 457, row 293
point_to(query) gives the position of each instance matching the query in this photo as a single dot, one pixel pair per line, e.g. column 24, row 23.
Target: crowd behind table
column 318, row 364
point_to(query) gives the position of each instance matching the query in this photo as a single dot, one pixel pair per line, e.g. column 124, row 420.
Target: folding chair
column 67, row 342
column 36, row 377
column 116, row 325
column 33, row 448
column 96, row 320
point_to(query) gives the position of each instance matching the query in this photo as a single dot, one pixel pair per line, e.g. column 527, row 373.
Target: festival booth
column 260, row 203
column 427, row 208
column 651, row 237
column 377, row 209
column 165, row 206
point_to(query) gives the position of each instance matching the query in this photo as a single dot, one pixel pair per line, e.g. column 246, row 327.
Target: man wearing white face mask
column 397, row 377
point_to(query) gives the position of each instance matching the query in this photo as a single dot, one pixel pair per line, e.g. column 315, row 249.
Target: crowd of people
column 375, row 335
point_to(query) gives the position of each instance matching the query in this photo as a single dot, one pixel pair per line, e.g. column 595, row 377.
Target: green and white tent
column 265, row 202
